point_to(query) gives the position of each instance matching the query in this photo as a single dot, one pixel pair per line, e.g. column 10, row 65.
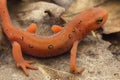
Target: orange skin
column 65, row 39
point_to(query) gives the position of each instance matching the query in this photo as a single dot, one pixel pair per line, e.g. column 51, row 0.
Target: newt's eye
column 99, row 20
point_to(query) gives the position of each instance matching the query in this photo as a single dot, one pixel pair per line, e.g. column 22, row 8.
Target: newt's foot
column 77, row 70
column 26, row 64
column 32, row 28
column 56, row 28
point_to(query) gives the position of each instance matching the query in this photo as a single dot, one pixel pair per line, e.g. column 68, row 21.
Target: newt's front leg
column 32, row 28
column 56, row 28
column 20, row 62
column 73, row 67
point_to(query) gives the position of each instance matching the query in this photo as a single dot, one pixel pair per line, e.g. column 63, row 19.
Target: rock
column 63, row 3
column 114, row 38
column 112, row 25
column 38, row 11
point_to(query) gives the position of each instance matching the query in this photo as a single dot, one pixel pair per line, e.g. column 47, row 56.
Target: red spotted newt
column 63, row 40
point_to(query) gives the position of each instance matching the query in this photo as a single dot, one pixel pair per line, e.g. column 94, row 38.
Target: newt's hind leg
column 56, row 28
column 20, row 62
column 32, row 28
column 73, row 67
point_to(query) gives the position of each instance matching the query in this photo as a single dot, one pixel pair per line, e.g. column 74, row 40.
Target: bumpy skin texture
column 64, row 39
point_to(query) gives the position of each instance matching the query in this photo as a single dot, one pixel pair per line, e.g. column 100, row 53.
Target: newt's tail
column 4, row 17
column 2, row 3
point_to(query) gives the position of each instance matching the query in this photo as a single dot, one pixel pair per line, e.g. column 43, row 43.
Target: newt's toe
column 25, row 65
column 80, row 70
column 25, row 70
column 30, row 62
column 77, row 70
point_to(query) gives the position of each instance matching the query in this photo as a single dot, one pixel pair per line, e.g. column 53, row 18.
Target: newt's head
column 91, row 19
column 98, row 17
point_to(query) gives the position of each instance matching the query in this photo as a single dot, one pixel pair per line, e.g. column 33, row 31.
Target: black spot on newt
column 73, row 30
column 70, row 36
column 6, row 29
column 22, row 38
column 50, row 46
column 30, row 46
column 80, row 22
column 3, row 11
column 77, row 25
